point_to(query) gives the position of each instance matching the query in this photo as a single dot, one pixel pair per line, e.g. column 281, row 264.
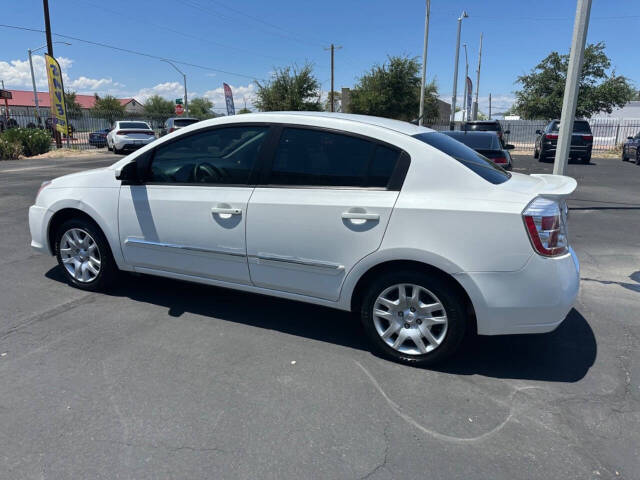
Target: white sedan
column 129, row 135
column 395, row 222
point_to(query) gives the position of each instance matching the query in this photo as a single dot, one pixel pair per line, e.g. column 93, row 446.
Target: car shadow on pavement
column 564, row 355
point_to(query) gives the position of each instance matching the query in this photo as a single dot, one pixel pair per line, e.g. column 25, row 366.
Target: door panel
column 195, row 230
column 305, row 240
column 186, row 229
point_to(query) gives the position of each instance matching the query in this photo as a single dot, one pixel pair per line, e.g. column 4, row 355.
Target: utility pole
column 475, row 103
column 47, row 28
column 571, row 88
column 423, row 83
column 455, row 73
column 332, row 48
column 465, row 113
column 35, row 92
column 489, row 106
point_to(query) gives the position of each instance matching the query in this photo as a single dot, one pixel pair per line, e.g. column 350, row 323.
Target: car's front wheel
column 624, row 157
column 84, row 255
column 413, row 317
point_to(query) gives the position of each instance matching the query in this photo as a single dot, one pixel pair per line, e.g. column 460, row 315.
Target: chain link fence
column 608, row 133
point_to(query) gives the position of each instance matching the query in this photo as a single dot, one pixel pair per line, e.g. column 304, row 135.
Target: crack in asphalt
column 383, row 464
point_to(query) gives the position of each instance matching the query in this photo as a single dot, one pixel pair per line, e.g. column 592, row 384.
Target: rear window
column 579, row 126
column 136, row 125
column 468, row 157
column 183, row 122
column 481, row 127
column 476, row 141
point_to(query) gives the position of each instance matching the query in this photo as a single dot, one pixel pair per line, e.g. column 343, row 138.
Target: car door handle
column 360, row 216
column 226, row 211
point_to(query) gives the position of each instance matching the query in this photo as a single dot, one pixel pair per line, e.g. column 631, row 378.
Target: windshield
column 183, row 122
column 579, row 126
column 480, row 141
column 471, row 159
column 139, row 125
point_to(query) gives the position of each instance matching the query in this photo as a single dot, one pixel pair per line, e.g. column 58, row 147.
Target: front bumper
column 534, row 299
column 38, row 220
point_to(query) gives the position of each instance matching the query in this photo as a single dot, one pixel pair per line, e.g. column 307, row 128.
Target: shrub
column 33, row 141
column 9, row 150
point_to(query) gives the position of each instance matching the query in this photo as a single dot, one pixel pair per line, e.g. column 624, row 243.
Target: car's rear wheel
column 637, row 157
column 536, row 154
column 84, row 255
column 413, row 317
column 624, row 157
column 586, row 159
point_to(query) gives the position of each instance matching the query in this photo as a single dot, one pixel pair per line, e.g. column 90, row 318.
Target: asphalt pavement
column 164, row 379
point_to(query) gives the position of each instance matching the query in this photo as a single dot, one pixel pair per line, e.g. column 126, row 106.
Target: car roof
column 388, row 123
column 184, row 118
column 473, row 133
column 482, row 121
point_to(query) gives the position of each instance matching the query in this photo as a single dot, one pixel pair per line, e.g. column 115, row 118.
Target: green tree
column 289, row 88
column 392, row 90
column 543, row 87
column 74, row 110
column 158, row 108
column 201, row 108
column 108, row 107
column 243, row 110
column 337, row 102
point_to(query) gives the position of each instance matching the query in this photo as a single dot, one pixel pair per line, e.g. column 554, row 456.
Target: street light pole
column 475, row 104
column 455, row 73
column 423, row 83
column 465, row 113
column 184, row 81
column 33, row 79
column 571, row 88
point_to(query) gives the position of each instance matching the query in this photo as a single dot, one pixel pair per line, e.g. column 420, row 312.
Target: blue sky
column 248, row 39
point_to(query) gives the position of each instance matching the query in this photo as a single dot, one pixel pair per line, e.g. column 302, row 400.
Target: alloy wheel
column 410, row 319
column 80, row 255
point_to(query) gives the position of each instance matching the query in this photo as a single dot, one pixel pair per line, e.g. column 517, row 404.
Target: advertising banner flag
column 228, row 96
column 56, row 94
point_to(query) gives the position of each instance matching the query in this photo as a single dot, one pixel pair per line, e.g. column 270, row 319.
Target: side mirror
column 128, row 174
column 507, row 132
column 629, row 138
column 508, row 146
column 538, row 132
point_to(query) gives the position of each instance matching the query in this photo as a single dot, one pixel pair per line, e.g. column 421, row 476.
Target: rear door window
column 466, row 156
column 310, row 157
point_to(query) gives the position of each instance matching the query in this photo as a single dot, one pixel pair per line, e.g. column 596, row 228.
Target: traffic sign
column 178, row 101
column 179, row 109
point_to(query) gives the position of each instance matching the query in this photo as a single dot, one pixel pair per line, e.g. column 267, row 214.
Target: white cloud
column 241, row 94
column 17, row 74
column 168, row 90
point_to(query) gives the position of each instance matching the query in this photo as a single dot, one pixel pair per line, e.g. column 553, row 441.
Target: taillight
column 172, row 129
column 551, row 136
column 587, row 138
column 546, row 223
column 120, row 132
column 499, row 160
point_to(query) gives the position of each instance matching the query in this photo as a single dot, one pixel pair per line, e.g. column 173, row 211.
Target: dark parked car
column 174, row 123
column 581, row 141
column 631, row 150
column 99, row 139
column 487, row 144
column 486, row 126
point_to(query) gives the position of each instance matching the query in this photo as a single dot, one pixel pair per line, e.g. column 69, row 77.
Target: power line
column 178, row 32
column 133, row 52
column 218, row 15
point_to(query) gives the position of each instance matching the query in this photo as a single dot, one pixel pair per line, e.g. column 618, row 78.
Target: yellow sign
column 56, row 94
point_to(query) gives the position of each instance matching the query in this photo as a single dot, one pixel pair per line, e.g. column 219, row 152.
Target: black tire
column 535, row 153
column 624, row 157
column 108, row 147
column 108, row 269
column 541, row 157
column 446, row 293
column 637, row 157
column 586, row 160
column 115, row 150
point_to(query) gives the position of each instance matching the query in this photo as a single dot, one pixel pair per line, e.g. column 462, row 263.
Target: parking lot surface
column 163, row 379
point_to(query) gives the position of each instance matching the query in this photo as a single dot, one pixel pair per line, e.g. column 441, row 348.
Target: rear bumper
column 535, row 299
column 574, row 150
column 38, row 220
column 125, row 144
